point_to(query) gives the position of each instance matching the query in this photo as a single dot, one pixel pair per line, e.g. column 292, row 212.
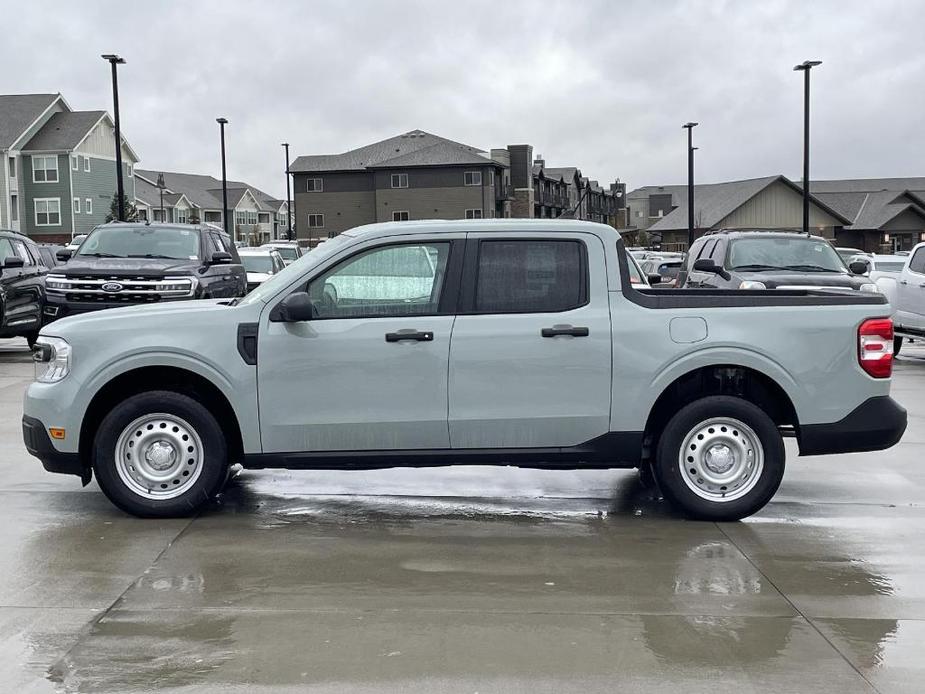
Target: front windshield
column 141, row 242
column 257, row 263
column 797, row 253
column 889, row 265
column 296, row 269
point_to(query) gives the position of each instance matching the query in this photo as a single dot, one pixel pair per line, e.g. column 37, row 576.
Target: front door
column 530, row 359
column 910, row 292
column 369, row 372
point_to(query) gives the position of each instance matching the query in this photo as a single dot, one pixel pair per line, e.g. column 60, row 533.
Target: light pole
column 161, row 185
column 805, row 67
column 288, row 196
column 222, row 122
column 115, row 60
column 690, row 183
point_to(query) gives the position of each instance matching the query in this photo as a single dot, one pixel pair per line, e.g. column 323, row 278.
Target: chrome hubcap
column 721, row 459
column 159, row 456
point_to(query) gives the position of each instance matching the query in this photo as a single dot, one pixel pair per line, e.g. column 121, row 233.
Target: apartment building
column 418, row 175
column 58, row 176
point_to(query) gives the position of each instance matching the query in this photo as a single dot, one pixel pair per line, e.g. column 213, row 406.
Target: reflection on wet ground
column 467, row 579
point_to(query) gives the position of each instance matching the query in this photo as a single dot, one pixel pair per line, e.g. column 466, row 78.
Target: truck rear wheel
column 720, row 458
column 897, row 345
column 160, row 454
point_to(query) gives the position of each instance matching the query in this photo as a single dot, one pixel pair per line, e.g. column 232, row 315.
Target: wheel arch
column 160, row 377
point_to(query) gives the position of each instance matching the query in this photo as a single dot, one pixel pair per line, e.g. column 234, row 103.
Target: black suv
column 732, row 259
column 134, row 263
column 22, row 290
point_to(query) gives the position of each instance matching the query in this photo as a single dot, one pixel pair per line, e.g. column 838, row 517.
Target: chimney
column 521, row 172
column 539, row 161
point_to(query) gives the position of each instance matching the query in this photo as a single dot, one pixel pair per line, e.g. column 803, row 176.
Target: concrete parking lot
column 467, row 580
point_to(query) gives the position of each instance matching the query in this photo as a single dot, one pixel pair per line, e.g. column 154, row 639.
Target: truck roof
column 437, row 226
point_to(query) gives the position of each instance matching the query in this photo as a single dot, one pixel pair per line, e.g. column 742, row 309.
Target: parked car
column 22, row 290
column 638, row 279
column 128, row 263
column 47, row 255
column 289, row 250
column 906, row 293
column 75, row 242
column 556, row 360
column 260, row 264
column 666, row 270
column 732, row 259
column 878, row 266
column 846, row 253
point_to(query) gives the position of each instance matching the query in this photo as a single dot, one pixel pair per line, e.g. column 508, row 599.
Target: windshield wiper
column 758, row 266
column 100, row 255
column 810, row 268
column 153, row 255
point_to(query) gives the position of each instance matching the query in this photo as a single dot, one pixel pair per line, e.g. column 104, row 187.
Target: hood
column 159, row 312
column 154, row 267
column 774, row 280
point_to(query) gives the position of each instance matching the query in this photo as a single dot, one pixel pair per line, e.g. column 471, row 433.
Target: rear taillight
column 875, row 347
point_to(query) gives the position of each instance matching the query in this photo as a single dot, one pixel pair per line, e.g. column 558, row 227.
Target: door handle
column 425, row 336
column 564, row 330
column 903, row 282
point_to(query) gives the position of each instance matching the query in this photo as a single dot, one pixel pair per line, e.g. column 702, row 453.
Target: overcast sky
column 604, row 86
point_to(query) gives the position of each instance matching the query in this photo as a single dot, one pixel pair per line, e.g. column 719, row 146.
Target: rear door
column 911, row 292
column 530, row 356
column 23, row 287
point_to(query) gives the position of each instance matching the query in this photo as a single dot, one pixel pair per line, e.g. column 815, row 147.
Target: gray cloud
column 603, row 85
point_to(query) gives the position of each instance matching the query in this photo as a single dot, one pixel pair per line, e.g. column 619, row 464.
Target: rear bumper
column 38, row 443
column 874, row 425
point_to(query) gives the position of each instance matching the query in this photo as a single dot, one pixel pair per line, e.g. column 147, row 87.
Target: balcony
column 504, row 191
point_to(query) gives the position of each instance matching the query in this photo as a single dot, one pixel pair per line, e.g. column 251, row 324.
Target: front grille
column 118, row 289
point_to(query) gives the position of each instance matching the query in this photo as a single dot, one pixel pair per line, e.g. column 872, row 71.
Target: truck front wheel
column 720, row 458
column 160, row 454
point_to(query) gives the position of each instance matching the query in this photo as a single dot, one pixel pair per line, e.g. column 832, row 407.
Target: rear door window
column 530, row 276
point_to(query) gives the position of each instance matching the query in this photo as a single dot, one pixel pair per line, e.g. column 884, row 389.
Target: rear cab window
column 917, row 263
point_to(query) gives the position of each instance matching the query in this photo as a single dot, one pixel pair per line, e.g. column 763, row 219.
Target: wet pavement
column 467, row 580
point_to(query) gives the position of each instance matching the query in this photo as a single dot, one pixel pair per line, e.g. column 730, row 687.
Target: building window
column 45, row 169
column 75, row 163
column 143, row 214
column 47, row 212
column 182, row 215
column 315, row 221
column 131, row 170
column 473, row 214
column 473, row 178
column 14, row 208
column 76, row 205
column 400, row 216
column 399, row 180
column 239, row 219
column 252, row 217
column 314, row 185
column 88, row 205
column 12, row 167
column 87, row 164
column 263, row 218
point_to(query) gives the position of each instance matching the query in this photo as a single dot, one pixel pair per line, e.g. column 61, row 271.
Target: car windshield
column 889, row 265
column 796, row 253
column 287, row 252
column 257, row 263
column 141, row 242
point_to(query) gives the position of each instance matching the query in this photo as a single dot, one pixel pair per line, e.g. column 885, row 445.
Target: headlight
column 52, row 359
column 870, row 287
column 752, row 284
column 185, row 285
column 56, row 282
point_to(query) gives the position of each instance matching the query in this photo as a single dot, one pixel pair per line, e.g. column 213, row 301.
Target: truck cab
column 908, row 298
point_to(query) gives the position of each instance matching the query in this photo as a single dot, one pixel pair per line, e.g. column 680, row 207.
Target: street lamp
column 222, row 122
column 161, row 185
column 115, row 60
column 690, row 182
column 805, row 67
column 288, row 196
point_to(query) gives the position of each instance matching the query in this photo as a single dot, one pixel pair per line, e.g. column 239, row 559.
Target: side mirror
column 14, row 261
column 709, row 265
column 64, row 254
column 221, row 258
column 859, row 267
column 654, row 279
column 296, row 307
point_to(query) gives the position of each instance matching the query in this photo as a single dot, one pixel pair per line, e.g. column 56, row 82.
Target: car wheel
column 897, row 344
column 720, row 458
column 160, row 454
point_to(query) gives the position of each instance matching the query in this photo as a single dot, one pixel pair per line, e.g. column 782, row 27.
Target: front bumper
column 38, row 443
column 874, row 425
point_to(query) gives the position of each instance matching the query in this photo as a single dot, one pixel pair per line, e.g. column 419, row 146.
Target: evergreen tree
column 131, row 214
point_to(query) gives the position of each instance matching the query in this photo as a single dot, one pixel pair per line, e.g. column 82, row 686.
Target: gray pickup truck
column 512, row 342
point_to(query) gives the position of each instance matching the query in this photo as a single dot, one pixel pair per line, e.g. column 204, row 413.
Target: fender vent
column 247, row 342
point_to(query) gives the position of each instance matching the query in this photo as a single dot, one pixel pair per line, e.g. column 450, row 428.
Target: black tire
column 672, row 479
column 31, row 338
column 213, row 460
column 897, row 344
